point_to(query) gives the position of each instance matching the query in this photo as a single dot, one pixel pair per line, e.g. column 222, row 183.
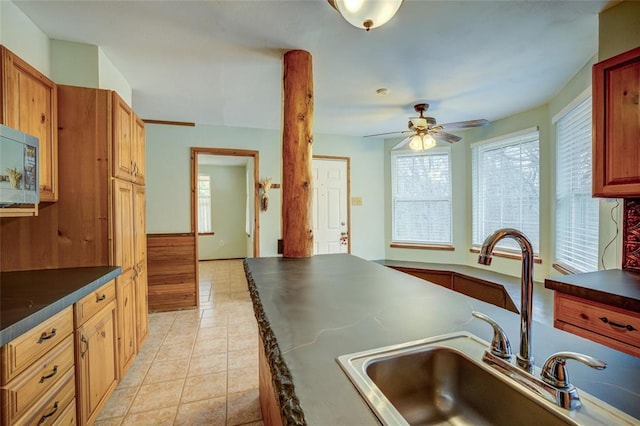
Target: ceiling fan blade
column 444, row 136
column 389, row 133
column 465, row 124
column 402, row 143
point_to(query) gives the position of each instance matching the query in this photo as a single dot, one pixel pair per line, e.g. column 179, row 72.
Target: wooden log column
column 297, row 139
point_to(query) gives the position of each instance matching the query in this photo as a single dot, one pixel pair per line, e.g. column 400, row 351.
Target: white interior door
column 330, row 194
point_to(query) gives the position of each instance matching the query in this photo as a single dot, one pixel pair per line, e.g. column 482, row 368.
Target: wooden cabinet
column 442, row 278
column 29, row 104
column 128, row 143
column 610, row 326
column 38, row 379
column 616, row 127
column 123, row 223
column 140, row 259
column 96, row 352
column 127, row 347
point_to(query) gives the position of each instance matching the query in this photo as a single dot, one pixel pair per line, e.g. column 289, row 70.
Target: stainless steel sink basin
column 443, row 381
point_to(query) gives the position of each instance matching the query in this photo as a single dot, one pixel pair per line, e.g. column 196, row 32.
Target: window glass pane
column 577, row 216
column 421, row 192
column 204, row 203
column 506, row 188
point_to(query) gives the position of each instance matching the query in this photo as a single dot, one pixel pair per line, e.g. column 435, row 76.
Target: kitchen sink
column 443, row 380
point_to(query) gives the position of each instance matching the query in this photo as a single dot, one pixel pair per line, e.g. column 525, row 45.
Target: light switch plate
column 356, row 201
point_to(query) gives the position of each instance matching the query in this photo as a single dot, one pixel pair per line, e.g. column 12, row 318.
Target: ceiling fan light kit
column 366, row 14
column 422, row 142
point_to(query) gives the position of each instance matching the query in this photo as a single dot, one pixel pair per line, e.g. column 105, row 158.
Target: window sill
column 507, row 255
column 201, row 234
column 563, row 269
column 422, row 246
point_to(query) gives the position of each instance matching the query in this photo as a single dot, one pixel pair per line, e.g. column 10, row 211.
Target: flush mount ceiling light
column 366, row 14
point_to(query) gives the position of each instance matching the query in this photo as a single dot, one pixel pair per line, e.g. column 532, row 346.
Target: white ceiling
column 220, row 62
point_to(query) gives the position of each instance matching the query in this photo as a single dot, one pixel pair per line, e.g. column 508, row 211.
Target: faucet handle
column 500, row 345
column 554, row 370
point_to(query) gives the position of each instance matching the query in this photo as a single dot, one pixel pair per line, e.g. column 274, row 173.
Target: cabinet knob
column 628, row 327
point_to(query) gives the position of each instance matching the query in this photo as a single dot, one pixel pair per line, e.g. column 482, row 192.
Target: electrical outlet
column 356, row 201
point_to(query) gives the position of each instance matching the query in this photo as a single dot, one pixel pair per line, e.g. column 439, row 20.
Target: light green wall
column 24, row 38
column 228, row 213
column 74, row 64
column 168, row 179
column 109, row 77
column 619, row 29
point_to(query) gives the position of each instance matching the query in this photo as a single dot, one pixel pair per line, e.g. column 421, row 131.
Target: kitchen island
column 312, row 310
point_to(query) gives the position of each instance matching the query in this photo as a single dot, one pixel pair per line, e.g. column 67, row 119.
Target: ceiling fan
column 426, row 132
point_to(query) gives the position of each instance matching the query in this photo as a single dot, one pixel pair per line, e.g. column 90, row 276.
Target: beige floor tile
column 204, row 387
column 157, row 395
column 187, row 337
column 168, row 352
column 218, row 320
column 163, row 371
column 242, row 380
column 212, row 363
column 205, row 412
column 161, row 417
column 118, row 404
column 242, row 359
column 208, row 333
column 117, row 421
column 135, row 375
column 248, row 342
column 209, row 346
column 243, row 407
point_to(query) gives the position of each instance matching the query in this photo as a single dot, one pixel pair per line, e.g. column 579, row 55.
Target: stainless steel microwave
column 19, row 175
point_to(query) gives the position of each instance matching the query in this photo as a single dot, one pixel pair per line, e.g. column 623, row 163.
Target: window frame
column 426, row 244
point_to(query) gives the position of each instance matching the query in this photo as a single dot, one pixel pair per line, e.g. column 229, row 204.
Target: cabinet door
column 616, row 154
column 139, row 152
column 139, row 227
column 126, row 306
column 30, row 105
column 123, row 119
column 142, row 309
column 96, row 367
column 123, row 223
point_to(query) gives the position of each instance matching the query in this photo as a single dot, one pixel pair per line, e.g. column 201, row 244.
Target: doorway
column 331, row 210
column 225, row 203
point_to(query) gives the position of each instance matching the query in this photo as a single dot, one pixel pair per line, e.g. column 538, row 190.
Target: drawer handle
column 86, row 345
column 101, row 298
column 43, row 418
column 53, row 373
column 629, row 327
column 44, row 335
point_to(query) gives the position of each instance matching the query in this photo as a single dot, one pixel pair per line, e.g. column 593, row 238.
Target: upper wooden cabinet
column 29, row 104
column 128, row 143
column 616, row 126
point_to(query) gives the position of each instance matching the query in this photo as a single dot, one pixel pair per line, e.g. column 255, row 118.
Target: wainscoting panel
column 172, row 269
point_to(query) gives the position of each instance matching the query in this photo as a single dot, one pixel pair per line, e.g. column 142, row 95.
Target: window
column 506, row 187
column 576, row 236
column 421, row 197
column 204, row 204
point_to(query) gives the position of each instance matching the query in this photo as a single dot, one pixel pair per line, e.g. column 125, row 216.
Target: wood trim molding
column 169, row 123
column 565, row 270
column 204, row 234
column 195, row 151
column 506, row 255
column 422, row 246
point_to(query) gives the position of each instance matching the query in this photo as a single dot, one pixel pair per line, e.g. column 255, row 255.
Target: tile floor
column 197, row 367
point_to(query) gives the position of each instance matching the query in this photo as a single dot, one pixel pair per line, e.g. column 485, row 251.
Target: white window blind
column 576, row 236
column 506, row 188
column 204, row 203
column 421, row 197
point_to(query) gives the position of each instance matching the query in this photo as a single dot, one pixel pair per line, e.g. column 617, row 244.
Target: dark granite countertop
column 29, row 297
column 312, row 310
column 613, row 287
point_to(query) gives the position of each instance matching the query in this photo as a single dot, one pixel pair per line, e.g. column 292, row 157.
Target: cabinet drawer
column 68, row 416
column 20, row 394
column 24, row 350
column 599, row 318
column 50, row 407
column 89, row 305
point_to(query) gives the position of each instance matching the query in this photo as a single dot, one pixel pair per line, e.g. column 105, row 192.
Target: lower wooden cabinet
column 610, row 326
column 142, row 304
column 126, row 296
column 442, row 278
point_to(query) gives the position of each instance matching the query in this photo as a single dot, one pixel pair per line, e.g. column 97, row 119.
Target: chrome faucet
column 524, row 357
